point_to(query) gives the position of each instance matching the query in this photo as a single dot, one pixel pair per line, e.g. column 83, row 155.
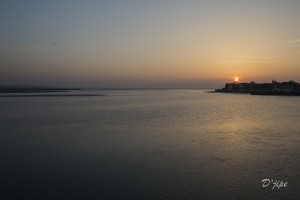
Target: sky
column 148, row 44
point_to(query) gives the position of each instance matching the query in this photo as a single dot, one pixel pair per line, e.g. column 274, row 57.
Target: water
column 149, row 144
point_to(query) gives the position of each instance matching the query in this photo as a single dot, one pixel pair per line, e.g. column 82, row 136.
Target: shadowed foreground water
column 159, row 144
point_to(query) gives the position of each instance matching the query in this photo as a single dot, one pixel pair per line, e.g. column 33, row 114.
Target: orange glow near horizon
column 236, row 79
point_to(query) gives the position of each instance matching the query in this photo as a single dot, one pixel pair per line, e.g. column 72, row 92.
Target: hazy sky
column 163, row 43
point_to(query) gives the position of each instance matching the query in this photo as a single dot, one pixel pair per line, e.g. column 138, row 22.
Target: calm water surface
column 149, row 144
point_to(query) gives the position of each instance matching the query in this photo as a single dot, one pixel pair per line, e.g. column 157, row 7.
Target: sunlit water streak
column 149, row 144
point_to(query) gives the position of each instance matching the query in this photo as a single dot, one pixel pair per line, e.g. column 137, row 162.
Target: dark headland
column 290, row 88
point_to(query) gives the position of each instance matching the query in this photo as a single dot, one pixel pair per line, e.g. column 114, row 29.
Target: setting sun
column 236, row 79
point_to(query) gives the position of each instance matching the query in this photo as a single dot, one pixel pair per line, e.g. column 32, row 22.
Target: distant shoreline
column 31, row 90
column 41, row 91
column 25, row 89
column 265, row 93
column 53, row 95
